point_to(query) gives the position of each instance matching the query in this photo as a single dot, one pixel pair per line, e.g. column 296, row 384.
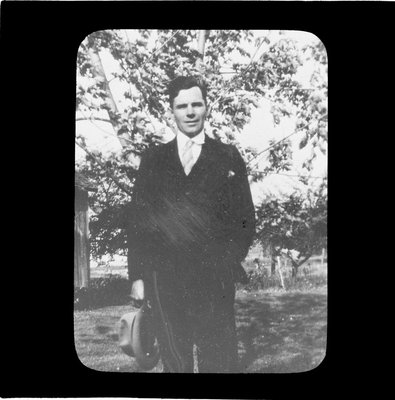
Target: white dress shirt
column 198, row 141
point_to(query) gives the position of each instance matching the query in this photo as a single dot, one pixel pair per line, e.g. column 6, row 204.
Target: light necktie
column 187, row 157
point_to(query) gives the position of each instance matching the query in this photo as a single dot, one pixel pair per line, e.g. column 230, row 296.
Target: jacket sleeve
column 242, row 209
column 137, row 241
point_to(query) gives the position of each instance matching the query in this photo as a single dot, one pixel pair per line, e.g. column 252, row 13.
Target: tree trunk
column 273, row 264
column 322, row 257
column 200, row 48
column 201, row 42
column 295, row 267
column 280, row 271
column 112, row 108
column 100, row 74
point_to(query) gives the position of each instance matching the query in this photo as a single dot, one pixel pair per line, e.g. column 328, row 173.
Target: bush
column 110, row 290
column 260, row 279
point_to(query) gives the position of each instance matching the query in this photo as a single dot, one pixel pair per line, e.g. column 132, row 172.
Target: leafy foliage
column 295, row 226
column 106, row 291
column 260, row 279
column 142, row 117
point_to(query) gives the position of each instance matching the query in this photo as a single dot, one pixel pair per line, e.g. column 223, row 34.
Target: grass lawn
column 282, row 331
column 278, row 331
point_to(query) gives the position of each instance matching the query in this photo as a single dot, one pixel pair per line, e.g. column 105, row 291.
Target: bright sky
column 257, row 134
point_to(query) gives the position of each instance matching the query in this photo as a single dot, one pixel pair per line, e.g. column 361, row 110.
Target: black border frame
column 39, row 42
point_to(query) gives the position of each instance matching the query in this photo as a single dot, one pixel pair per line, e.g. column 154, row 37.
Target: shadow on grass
column 282, row 332
column 277, row 332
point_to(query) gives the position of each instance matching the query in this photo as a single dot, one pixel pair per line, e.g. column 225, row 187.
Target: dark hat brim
column 143, row 339
column 137, row 338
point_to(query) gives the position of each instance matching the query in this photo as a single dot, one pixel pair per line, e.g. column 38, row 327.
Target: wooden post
column 81, row 240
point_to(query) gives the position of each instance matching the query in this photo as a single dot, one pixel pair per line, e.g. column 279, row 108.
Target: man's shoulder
column 224, row 149
column 157, row 149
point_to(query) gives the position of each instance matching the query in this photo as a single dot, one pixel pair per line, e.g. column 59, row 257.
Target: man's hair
column 185, row 82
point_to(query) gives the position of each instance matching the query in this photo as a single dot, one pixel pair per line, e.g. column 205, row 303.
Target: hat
column 137, row 338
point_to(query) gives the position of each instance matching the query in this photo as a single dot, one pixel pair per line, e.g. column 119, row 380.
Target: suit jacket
column 207, row 216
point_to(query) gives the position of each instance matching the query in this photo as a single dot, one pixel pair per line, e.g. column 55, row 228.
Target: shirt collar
column 182, row 139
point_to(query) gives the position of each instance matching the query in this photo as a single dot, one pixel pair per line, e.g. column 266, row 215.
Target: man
column 191, row 226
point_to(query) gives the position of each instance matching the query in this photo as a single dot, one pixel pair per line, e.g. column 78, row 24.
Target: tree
column 261, row 66
column 296, row 226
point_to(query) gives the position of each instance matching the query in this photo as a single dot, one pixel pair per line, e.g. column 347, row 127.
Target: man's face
column 189, row 111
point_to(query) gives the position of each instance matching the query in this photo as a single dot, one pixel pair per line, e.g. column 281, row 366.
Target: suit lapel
column 172, row 160
column 204, row 163
column 205, row 160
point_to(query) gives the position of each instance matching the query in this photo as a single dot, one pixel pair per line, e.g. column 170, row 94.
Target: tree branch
column 304, row 259
column 90, row 119
column 240, row 74
column 111, row 176
column 138, row 69
column 286, row 137
column 156, row 50
column 299, row 262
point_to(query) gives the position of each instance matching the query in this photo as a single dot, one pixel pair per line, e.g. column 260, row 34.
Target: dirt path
column 278, row 332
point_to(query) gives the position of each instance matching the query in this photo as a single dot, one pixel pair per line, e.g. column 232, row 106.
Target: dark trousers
column 194, row 305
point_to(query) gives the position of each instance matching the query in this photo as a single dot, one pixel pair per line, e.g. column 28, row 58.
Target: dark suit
column 187, row 238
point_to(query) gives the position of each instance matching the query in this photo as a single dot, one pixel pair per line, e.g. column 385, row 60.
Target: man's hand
column 137, row 292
